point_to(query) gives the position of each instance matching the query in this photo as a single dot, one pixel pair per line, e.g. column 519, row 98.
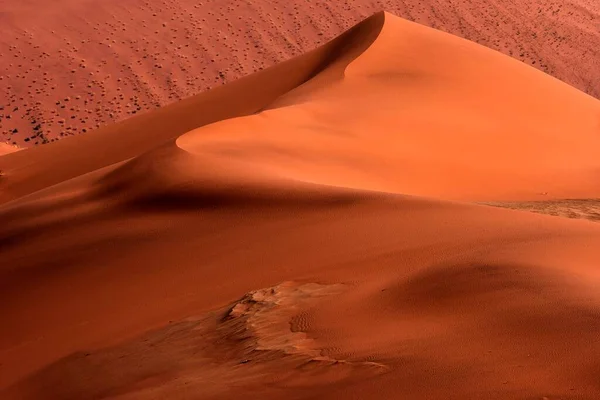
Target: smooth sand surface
column 309, row 232
column 71, row 66
column 6, row 148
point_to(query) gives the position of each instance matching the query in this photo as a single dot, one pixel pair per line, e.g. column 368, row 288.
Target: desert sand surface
column 76, row 65
column 6, row 148
column 310, row 232
column 569, row 208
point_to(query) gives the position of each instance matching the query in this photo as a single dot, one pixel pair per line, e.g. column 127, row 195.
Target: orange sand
column 6, row 148
column 75, row 65
column 305, row 241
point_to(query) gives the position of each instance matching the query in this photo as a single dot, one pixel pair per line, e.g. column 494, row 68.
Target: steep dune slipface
column 246, row 259
column 60, row 161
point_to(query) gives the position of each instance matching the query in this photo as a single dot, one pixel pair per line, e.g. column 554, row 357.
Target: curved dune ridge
column 297, row 234
column 399, row 119
column 75, row 65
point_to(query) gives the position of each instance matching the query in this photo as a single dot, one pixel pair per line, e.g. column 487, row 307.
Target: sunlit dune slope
column 282, row 252
column 423, row 112
column 71, row 66
column 419, row 112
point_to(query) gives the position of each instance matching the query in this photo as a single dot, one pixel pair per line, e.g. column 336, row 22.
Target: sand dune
column 493, row 128
column 73, row 66
column 295, row 234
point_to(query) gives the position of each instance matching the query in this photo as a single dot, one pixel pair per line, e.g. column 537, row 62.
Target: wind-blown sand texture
column 306, row 232
column 578, row 208
column 72, row 66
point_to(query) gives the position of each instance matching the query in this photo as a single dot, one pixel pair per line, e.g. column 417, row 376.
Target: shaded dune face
column 478, row 329
column 115, row 143
column 267, row 239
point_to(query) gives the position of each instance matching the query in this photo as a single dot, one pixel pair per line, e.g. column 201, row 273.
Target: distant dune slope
column 250, row 257
column 477, row 126
column 72, row 66
column 47, row 165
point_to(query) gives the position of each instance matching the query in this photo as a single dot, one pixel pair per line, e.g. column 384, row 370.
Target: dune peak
column 333, row 226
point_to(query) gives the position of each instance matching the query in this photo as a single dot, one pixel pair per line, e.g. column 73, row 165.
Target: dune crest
column 296, row 234
column 373, row 129
column 58, row 80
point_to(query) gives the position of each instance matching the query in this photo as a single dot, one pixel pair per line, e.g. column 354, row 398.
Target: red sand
column 6, row 148
column 283, row 250
column 72, row 66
